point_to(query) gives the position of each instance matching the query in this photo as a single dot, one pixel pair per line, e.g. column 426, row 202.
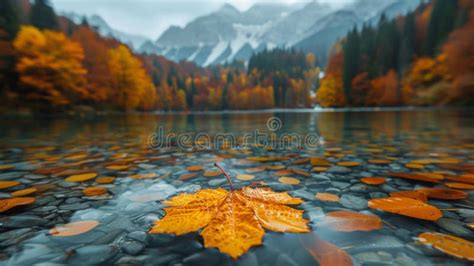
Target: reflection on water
column 41, row 152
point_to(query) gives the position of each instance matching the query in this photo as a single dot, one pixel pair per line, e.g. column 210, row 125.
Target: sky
column 150, row 18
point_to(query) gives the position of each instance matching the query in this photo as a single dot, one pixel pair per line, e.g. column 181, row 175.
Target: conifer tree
column 43, row 15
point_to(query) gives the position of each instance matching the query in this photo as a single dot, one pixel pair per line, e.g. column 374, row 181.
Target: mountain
column 101, row 26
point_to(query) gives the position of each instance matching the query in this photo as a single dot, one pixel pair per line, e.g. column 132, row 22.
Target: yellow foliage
column 50, row 66
column 330, row 93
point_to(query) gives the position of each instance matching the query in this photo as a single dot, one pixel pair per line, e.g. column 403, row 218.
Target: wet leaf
column 301, row 161
column 23, row 192
column 325, row 253
column 143, row 176
column 275, row 167
column 319, row 162
column 232, row 221
column 212, row 173
column 283, row 172
column 256, row 169
column 94, row 191
column 348, row 221
column 245, row 177
column 466, row 178
column 105, row 180
column 373, row 180
column 444, row 193
column 8, row 184
column 333, row 149
column 406, row 206
column 348, row 164
column 379, row 161
column 73, row 229
column 320, row 169
column 187, row 176
column 117, row 167
column 449, row 244
column 195, row 168
column 6, row 204
column 414, row 177
column 327, row 197
column 457, row 185
column 417, row 195
column 6, row 167
column 289, row 180
column 414, row 166
column 81, row 178
column 300, row 172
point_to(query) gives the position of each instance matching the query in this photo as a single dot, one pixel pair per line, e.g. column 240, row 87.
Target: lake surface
column 149, row 156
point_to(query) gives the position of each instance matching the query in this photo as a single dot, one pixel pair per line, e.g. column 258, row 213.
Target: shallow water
column 41, row 150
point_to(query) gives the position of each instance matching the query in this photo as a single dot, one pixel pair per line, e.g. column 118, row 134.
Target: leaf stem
column 226, row 176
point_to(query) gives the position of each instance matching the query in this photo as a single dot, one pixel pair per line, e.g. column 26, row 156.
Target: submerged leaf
column 459, row 185
column 443, row 193
column 408, row 207
column 72, row 229
column 6, row 204
column 8, row 184
column 448, row 244
column 289, row 180
column 348, row 221
column 415, row 177
column 327, row 197
column 24, row 192
column 325, row 253
column 373, row 180
column 94, row 191
column 232, row 221
column 417, row 195
column 81, row 177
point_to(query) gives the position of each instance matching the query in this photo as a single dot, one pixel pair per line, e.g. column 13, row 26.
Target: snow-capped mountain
column 101, row 26
column 229, row 34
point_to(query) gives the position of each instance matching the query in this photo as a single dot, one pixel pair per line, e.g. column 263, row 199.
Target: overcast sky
column 151, row 17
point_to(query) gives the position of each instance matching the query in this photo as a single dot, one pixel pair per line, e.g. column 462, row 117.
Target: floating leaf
column 105, row 180
column 81, row 178
column 94, row 191
column 283, row 172
column 408, row 207
column 276, row 167
column 459, row 185
column 8, row 184
column 255, row 169
column 117, row 167
column 319, row 169
column 232, row 221
column 23, row 192
column 195, row 168
column 6, row 204
column 414, row 166
column 289, row 180
column 245, row 177
column 187, row 176
column 319, row 162
column 414, row 177
column 327, row 197
column 417, row 195
column 212, row 173
column 300, row 172
column 434, row 176
column 348, row 164
column 466, row 178
column 6, row 167
column 443, row 193
column 373, row 180
column 348, row 221
column 448, row 244
column 143, row 176
column 73, row 229
column 301, row 161
column 422, row 161
column 379, row 161
column 325, row 253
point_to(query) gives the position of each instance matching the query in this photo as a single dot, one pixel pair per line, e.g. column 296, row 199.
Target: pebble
column 74, row 207
column 133, row 247
column 92, row 255
column 21, row 221
column 353, row 202
column 217, row 182
column 140, row 236
column 453, row 226
column 339, row 170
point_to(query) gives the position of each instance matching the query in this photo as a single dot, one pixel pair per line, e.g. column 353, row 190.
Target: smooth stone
column 14, row 233
column 177, row 183
column 140, row 236
column 21, row 221
column 44, row 200
column 207, row 257
column 466, row 213
column 339, row 170
column 320, row 177
column 340, row 185
column 302, row 194
column 362, row 188
column 32, row 254
column 133, row 247
column 453, row 226
column 4, row 195
column 12, row 175
column 109, row 237
column 45, row 209
column 131, row 261
column 217, row 182
column 353, row 202
column 281, row 187
column 404, row 259
column 65, row 184
column 378, row 195
column 160, row 240
column 377, row 242
column 147, row 166
column 368, row 257
column 285, row 260
column 387, row 188
column 248, row 259
column 186, row 247
column 72, row 200
column 333, row 190
column 92, row 255
column 74, row 207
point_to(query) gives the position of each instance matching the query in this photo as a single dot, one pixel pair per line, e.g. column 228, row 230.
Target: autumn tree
column 131, row 86
column 50, row 67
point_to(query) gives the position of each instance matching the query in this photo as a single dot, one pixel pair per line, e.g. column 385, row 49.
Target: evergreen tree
column 9, row 18
column 407, row 48
column 351, row 62
column 440, row 25
column 43, row 15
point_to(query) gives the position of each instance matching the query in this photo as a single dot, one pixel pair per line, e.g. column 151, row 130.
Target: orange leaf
column 232, row 221
column 256, row 169
column 301, row 161
column 348, row 164
column 319, row 162
column 105, row 180
column 195, row 168
column 327, row 197
column 94, row 191
column 187, row 176
column 23, row 192
column 275, row 167
column 319, row 169
column 245, row 177
column 300, row 172
column 81, row 178
column 373, row 180
column 212, row 173
column 379, row 161
column 283, row 172
column 348, row 221
column 414, row 177
column 73, row 229
column 325, row 253
column 408, row 207
column 414, row 166
column 6, row 204
column 117, row 167
column 448, row 244
column 6, row 167
column 8, row 184
column 411, row 195
column 466, row 178
column 459, row 185
column 443, row 193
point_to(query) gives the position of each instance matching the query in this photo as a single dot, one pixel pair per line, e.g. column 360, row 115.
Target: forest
column 48, row 63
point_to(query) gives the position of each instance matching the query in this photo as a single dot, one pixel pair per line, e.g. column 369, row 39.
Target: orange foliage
column 384, row 90
column 330, row 93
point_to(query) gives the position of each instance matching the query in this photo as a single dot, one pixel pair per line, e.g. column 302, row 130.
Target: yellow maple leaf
column 233, row 221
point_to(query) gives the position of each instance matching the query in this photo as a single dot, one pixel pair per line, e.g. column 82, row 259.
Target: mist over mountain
column 229, row 34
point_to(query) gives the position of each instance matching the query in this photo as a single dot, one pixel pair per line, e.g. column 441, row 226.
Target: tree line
column 422, row 58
